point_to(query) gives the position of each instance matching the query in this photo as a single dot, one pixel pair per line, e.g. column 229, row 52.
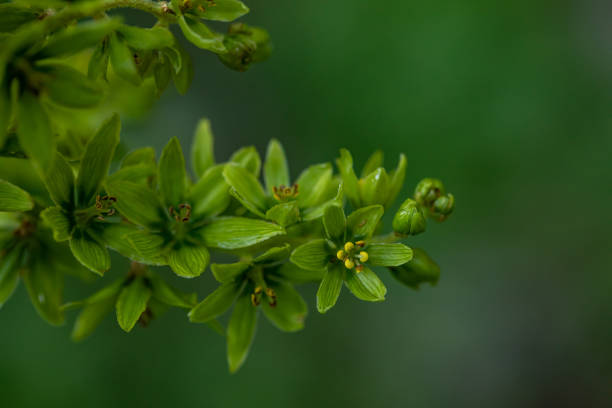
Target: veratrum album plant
column 62, row 66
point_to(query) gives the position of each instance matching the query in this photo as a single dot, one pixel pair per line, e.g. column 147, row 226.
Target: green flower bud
column 427, row 191
column 444, row 206
column 245, row 45
column 374, row 188
column 420, row 269
column 409, row 219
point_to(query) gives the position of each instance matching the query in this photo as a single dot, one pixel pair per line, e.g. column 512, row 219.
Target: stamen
column 349, row 264
column 349, row 246
column 341, row 255
column 363, row 256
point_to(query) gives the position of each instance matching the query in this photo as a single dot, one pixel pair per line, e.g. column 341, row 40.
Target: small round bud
column 409, row 219
column 245, row 45
column 427, row 191
column 420, row 269
column 444, row 206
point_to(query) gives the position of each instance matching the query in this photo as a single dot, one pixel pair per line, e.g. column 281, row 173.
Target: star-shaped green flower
column 252, row 283
column 281, row 201
column 347, row 252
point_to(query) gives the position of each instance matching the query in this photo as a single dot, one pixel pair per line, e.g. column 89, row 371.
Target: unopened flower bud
column 427, row 191
column 245, row 45
column 409, row 219
column 374, row 188
column 420, row 269
column 444, row 206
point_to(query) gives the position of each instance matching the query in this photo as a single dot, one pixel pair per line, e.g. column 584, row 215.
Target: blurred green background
column 509, row 103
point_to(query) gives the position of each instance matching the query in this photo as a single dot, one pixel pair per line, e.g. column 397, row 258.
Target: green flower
column 346, row 253
column 137, row 298
column 280, row 201
column 375, row 186
column 251, row 284
column 176, row 223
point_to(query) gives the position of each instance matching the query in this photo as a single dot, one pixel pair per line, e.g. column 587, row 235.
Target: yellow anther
column 341, row 255
column 258, row 289
column 360, row 243
column 270, row 292
column 349, row 246
column 363, row 256
column 349, row 264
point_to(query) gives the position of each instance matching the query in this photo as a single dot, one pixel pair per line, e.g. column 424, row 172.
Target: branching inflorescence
column 62, row 208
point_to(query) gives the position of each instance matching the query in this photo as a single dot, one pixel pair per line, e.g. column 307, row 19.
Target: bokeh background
column 508, row 102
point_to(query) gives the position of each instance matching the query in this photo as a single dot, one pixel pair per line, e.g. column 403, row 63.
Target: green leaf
column 90, row 252
column 227, row 272
column 171, row 296
column 312, row 256
column 154, row 38
column 274, row 254
column 374, row 188
column 290, row 310
column 136, row 202
column 59, row 180
column 68, row 87
column 246, row 188
column 238, row 232
column 382, row 254
column 35, row 133
column 374, row 161
column 184, row 75
column 59, row 222
column 365, row 285
column 138, row 157
column 330, row 287
column 293, row 273
column 313, row 184
column 9, row 274
column 45, row 288
column 91, row 316
column 131, row 303
column 284, row 214
column 362, row 222
column 396, row 180
column 188, row 261
column 334, row 222
column 240, row 332
column 200, row 35
column 79, row 37
column 349, row 179
column 172, row 176
column 202, row 150
column 13, row 198
column 96, row 161
column 210, row 195
column 248, row 158
column 122, row 59
column 223, row 10
column 216, row 303
column 276, row 171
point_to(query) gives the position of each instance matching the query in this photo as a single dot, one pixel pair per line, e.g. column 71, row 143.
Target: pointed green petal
column 383, row 254
column 334, row 222
column 330, row 287
column 238, row 232
column 290, row 310
column 365, row 285
column 13, row 198
column 276, row 171
column 216, row 303
column 202, row 150
column 188, row 261
column 131, row 303
column 362, row 223
column 240, row 332
column 313, row 255
column 247, row 188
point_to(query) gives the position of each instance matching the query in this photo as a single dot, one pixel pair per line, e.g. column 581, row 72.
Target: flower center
column 182, row 213
column 258, row 293
column 353, row 256
column 283, row 193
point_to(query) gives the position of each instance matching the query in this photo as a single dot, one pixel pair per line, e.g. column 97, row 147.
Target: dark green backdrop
column 508, row 102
